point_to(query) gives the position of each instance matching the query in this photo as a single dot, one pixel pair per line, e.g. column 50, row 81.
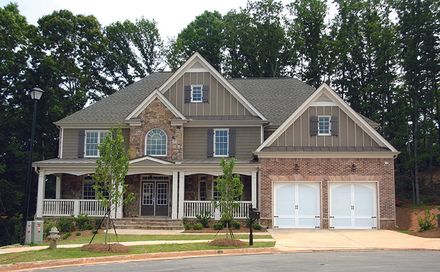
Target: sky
column 171, row 16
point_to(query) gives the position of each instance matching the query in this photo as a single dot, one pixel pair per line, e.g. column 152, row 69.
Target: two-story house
column 306, row 159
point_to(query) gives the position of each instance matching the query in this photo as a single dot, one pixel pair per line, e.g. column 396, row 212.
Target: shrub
column 218, row 226
column 66, row 235
column 198, row 226
column 204, row 218
column 82, row 222
column 426, row 222
column 248, row 222
column 78, row 233
column 236, row 224
column 257, row 226
column 65, row 225
column 187, row 226
column 95, row 231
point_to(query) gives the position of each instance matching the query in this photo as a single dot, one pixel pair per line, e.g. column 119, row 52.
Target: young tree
column 231, row 189
column 112, row 166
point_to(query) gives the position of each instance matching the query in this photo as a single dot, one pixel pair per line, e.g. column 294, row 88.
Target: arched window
column 156, row 143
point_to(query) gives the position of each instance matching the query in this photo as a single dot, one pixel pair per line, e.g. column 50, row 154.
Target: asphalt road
column 399, row 261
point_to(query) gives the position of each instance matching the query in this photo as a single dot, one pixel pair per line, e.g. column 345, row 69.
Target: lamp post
column 35, row 94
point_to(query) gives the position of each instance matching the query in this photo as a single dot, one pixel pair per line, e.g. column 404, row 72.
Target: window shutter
column 205, row 94
column 81, row 143
column 313, row 125
column 187, row 93
column 334, row 125
column 232, row 141
column 210, row 141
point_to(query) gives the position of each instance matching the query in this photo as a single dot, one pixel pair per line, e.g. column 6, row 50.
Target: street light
column 35, row 95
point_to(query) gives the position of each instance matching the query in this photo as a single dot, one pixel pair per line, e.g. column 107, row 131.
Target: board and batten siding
column 71, row 141
column 349, row 134
column 221, row 101
column 195, row 142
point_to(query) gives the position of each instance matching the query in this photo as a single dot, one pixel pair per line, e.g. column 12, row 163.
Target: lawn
column 69, row 253
column 99, row 238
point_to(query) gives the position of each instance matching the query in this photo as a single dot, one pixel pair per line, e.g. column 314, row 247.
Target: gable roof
column 197, row 58
column 155, row 95
column 325, row 89
column 114, row 108
column 149, row 160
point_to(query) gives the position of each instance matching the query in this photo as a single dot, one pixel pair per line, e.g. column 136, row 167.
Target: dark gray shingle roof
column 116, row 107
column 275, row 98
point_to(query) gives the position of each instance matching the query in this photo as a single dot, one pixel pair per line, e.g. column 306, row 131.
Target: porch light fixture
column 36, row 93
column 296, row 167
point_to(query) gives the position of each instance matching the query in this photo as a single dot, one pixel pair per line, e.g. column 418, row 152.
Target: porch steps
column 148, row 223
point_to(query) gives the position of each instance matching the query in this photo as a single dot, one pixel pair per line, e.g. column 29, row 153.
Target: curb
column 135, row 257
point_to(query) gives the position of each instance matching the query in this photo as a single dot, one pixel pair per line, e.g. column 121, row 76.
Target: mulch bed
column 114, row 248
column 435, row 233
column 227, row 242
column 236, row 231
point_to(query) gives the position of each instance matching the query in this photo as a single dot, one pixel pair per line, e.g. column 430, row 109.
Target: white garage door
column 353, row 205
column 297, row 205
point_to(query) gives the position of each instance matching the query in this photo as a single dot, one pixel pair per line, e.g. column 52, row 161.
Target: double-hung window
column 221, row 142
column 196, row 93
column 215, row 193
column 88, row 190
column 92, row 140
column 324, row 125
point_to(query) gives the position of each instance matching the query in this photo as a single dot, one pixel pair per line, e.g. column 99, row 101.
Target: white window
column 215, row 192
column 92, row 140
column 202, row 188
column 88, row 190
column 324, row 125
column 196, row 93
column 221, row 142
column 156, row 143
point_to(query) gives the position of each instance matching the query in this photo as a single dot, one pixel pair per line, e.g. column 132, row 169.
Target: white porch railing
column 191, row 208
column 69, row 207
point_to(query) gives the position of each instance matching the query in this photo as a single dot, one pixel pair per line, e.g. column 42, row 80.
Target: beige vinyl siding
column 221, row 101
column 350, row 134
column 195, row 141
column 71, row 140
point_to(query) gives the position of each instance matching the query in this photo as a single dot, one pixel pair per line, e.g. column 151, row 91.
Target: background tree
column 203, row 35
column 230, row 189
column 110, row 172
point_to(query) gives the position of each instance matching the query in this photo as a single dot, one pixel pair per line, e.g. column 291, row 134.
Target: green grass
column 99, row 238
column 69, row 253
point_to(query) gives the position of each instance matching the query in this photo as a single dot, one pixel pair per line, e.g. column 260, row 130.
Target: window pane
column 323, row 125
column 88, row 191
column 221, row 142
column 196, row 93
column 92, row 142
column 156, row 142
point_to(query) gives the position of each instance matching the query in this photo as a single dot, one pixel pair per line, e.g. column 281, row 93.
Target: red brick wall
column 325, row 170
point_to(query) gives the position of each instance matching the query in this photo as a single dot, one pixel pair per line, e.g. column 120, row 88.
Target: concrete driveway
column 288, row 239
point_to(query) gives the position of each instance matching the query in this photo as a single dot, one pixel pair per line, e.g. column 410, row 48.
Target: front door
column 154, row 195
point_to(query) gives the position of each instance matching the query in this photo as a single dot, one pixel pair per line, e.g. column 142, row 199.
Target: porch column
column 174, row 196
column 40, row 194
column 120, row 207
column 254, row 188
column 58, row 187
column 181, row 193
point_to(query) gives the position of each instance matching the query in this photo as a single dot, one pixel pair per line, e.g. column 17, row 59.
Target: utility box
column 34, row 232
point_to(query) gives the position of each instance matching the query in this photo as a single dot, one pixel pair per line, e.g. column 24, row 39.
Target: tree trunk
column 415, row 142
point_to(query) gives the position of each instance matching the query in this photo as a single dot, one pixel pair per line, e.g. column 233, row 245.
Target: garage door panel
column 341, row 195
column 340, row 222
column 363, row 196
column 285, row 198
column 308, row 201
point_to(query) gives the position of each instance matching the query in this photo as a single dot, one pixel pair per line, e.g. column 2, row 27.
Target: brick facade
column 325, row 171
column 156, row 115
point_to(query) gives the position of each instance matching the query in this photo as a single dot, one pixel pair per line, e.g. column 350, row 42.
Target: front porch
column 161, row 194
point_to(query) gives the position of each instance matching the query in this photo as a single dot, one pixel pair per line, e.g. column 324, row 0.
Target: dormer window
column 196, row 93
column 324, row 125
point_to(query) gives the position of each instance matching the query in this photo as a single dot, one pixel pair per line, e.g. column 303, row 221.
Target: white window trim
column 227, row 143
column 166, row 144
column 99, row 142
column 329, row 125
column 201, row 94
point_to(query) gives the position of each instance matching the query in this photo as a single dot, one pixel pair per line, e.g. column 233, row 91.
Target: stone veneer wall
column 156, row 115
column 132, row 209
column 71, row 186
column 325, row 170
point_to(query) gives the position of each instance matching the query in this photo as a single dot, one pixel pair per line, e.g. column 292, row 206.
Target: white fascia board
column 155, row 94
column 197, row 57
column 150, row 159
column 324, row 88
column 338, row 155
